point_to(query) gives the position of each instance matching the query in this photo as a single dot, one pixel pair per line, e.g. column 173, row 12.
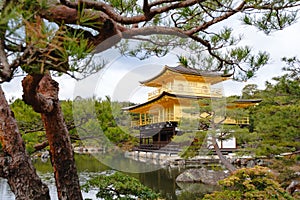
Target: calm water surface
column 161, row 180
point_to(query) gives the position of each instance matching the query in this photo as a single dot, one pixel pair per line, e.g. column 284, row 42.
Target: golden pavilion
column 176, row 90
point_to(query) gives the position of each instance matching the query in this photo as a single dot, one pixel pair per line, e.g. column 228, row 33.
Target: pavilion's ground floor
column 158, row 136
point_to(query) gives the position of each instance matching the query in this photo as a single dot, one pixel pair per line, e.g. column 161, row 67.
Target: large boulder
column 201, row 175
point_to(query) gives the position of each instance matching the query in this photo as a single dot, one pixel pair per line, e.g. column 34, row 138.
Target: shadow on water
column 161, row 180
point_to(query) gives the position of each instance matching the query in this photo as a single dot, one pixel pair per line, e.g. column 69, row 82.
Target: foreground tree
column 40, row 37
column 16, row 165
column 42, row 93
column 98, row 21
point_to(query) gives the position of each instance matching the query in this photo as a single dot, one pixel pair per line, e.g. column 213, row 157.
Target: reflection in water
column 6, row 193
column 161, row 180
column 118, row 161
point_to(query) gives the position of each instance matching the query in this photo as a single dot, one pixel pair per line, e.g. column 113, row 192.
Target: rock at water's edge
column 201, row 175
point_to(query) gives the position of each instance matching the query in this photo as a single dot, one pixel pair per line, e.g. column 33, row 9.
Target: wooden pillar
column 159, row 113
column 141, row 123
column 166, row 114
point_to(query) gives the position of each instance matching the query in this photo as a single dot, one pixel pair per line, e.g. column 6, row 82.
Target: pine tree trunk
column 214, row 127
column 42, row 93
column 15, row 163
column 224, row 161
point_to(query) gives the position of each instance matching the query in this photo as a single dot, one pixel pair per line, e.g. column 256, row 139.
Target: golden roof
column 185, row 73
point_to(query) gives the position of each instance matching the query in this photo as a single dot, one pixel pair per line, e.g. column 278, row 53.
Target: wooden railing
column 152, row 120
column 240, row 121
column 244, row 120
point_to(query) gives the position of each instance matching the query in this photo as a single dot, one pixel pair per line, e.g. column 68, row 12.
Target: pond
column 161, row 180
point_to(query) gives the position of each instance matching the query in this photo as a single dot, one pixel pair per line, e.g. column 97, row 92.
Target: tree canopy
column 42, row 35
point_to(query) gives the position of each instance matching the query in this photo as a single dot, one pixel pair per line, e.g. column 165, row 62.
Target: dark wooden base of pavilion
column 157, row 135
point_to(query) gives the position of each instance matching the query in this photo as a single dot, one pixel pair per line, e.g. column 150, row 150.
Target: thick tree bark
column 42, row 93
column 15, row 163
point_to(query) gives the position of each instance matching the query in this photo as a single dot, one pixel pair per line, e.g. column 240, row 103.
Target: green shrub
column 119, row 186
column 250, row 183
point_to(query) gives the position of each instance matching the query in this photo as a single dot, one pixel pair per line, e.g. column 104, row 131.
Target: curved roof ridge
column 154, row 77
column 194, row 71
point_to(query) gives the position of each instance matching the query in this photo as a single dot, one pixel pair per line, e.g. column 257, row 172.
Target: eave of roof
column 241, row 101
column 161, row 96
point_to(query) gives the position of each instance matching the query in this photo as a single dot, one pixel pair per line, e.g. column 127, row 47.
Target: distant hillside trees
column 277, row 118
column 110, row 122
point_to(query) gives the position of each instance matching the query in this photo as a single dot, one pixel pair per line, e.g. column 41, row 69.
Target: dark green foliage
column 273, row 19
column 110, row 122
column 250, row 91
column 119, row 186
column 277, row 118
column 25, row 115
column 183, row 61
column 293, row 67
column 30, row 124
column 278, row 127
column 114, row 122
column 104, row 122
column 191, row 143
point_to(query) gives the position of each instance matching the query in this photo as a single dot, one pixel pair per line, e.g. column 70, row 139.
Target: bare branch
column 70, row 125
column 217, row 19
column 34, row 130
column 148, row 15
column 160, row 2
column 41, row 146
column 44, row 144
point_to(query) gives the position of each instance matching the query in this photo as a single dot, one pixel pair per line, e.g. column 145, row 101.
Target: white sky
column 119, row 79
